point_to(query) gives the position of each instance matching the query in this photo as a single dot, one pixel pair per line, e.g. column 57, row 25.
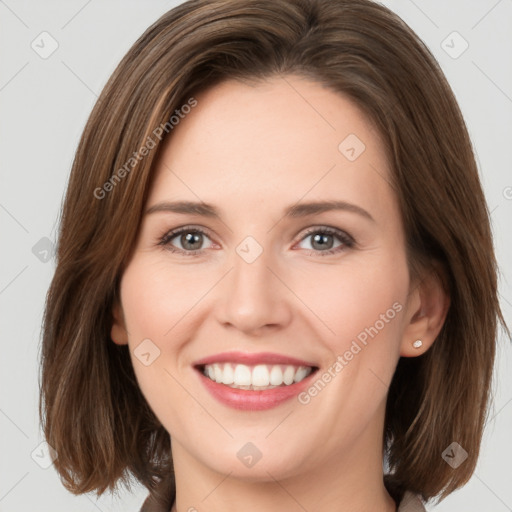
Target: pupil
column 318, row 239
column 191, row 238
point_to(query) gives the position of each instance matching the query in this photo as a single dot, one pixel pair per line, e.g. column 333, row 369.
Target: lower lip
column 247, row 400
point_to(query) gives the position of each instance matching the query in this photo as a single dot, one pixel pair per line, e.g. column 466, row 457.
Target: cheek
column 157, row 306
column 156, row 298
column 154, row 306
column 362, row 301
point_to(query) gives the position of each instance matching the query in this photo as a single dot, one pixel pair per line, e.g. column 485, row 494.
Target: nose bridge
column 253, row 296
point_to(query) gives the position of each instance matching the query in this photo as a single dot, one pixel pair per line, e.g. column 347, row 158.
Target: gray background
column 44, row 105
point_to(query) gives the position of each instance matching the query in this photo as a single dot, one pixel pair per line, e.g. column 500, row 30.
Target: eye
column 323, row 239
column 190, row 238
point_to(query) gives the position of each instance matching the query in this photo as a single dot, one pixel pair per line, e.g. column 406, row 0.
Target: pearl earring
column 417, row 344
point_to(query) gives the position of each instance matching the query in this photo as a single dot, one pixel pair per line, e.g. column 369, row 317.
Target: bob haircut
column 91, row 408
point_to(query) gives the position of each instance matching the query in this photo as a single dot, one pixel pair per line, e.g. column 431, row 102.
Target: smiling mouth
column 257, row 377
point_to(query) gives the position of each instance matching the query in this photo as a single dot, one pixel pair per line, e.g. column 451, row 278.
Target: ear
column 118, row 332
column 427, row 308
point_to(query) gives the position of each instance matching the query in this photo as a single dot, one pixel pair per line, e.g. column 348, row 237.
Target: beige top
column 410, row 503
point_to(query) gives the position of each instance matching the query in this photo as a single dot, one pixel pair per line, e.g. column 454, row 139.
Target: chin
column 255, row 461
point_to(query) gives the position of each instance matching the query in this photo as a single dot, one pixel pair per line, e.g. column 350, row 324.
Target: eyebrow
column 293, row 211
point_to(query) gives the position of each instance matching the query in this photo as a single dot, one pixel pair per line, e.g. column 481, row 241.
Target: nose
column 254, row 297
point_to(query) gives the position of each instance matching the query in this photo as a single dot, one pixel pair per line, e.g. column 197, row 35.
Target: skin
column 252, row 151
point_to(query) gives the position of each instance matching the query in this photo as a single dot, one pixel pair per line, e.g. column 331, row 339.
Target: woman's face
column 267, row 285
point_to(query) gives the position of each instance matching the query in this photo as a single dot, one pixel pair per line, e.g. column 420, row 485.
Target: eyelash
column 347, row 240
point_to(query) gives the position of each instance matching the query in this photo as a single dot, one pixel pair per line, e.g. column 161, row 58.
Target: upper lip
column 252, row 359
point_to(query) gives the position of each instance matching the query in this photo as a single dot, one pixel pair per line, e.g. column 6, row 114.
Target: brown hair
column 91, row 407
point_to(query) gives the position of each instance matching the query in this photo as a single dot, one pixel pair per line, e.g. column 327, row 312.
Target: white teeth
column 276, row 376
column 261, row 376
column 288, row 375
column 228, row 377
column 301, row 374
column 217, row 372
column 242, row 375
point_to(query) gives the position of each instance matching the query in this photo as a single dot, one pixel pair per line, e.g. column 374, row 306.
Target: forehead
column 272, row 143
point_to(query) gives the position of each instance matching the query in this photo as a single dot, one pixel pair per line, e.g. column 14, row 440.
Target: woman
column 337, row 307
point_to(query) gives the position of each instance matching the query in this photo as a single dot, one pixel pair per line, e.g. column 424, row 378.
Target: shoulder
column 411, row 503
